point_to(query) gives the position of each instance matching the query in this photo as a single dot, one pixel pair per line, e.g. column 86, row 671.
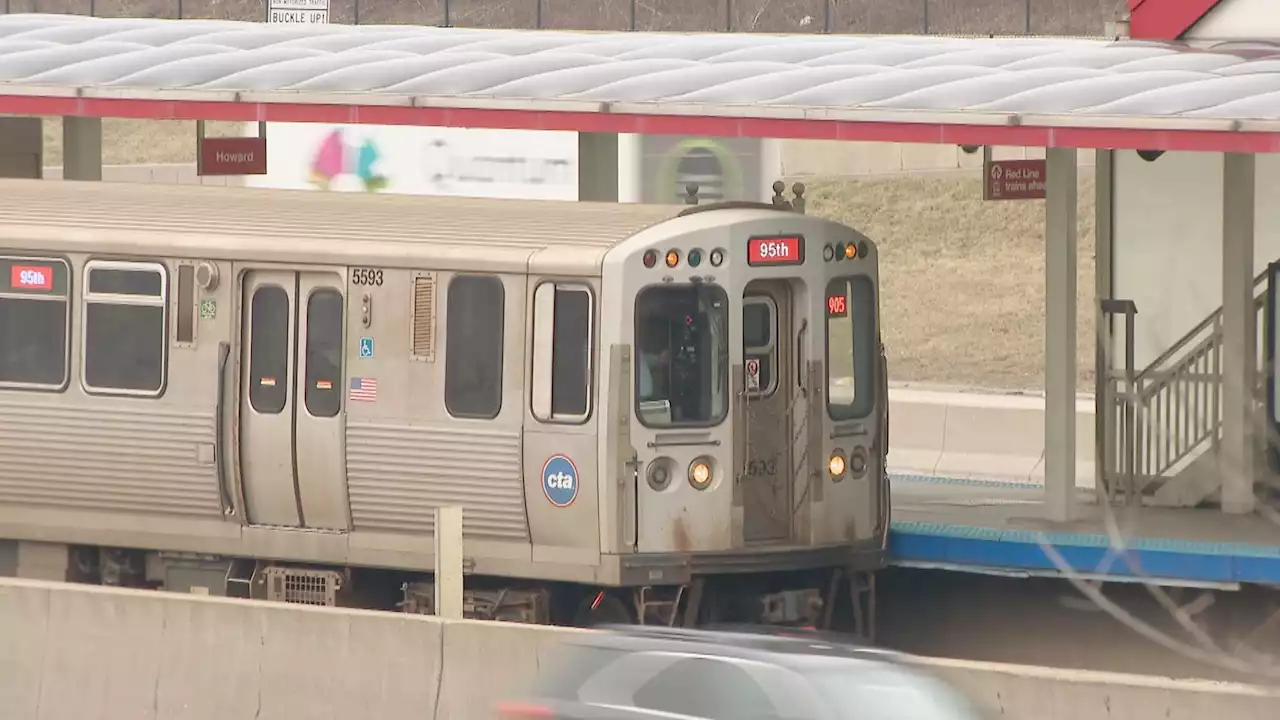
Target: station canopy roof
column 1009, row 91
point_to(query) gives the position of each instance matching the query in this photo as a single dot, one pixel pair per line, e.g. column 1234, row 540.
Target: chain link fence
column 944, row 17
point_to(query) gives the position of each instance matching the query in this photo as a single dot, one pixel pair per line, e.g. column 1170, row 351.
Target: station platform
column 994, row 527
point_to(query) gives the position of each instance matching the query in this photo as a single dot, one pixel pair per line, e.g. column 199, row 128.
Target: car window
column 571, row 666
column 871, row 693
column 706, row 688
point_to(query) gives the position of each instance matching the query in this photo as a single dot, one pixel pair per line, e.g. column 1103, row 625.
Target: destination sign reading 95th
column 298, row 12
column 780, row 250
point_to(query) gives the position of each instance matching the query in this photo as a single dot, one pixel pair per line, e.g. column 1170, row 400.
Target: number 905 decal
column 366, row 276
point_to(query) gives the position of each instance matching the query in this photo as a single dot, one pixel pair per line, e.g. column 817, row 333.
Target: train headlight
column 858, row 462
column 700, row 474
column 835, row 465
column 717, row 257
column 659, row 474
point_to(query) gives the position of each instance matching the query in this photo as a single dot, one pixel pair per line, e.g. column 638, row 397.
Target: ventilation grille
column 302, row 587
column 424, row 317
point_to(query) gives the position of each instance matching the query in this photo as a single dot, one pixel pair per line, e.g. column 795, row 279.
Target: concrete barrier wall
column 70, row 652
column 979, row 435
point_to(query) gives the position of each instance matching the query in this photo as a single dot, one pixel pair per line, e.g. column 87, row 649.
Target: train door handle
column 800, row 373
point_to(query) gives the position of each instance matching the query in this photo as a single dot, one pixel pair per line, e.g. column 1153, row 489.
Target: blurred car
column 632, row 672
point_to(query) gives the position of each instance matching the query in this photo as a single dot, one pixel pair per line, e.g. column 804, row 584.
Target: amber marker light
column 835, row 465
column 673, row 258
column 700, row 474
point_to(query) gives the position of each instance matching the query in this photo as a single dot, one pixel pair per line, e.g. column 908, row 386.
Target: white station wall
column 1168, row 242
column 477, row 162
column 1239, row 20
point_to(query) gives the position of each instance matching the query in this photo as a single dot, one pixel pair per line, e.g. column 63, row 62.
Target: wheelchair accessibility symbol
column 366, row 348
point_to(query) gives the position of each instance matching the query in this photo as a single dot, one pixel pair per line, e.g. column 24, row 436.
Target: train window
column 35, row 314
column 852, row 348
column 562, row 349
column 473, row 346
column 184, row 306
column 125, row 323
column 759, row 326
column 323, row 394
column 269, row 349
column 682, row 355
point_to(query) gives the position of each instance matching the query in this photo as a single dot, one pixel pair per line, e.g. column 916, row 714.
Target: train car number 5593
column 366, row 276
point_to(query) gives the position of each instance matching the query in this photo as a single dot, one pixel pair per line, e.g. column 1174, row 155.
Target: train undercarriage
column 825, row 598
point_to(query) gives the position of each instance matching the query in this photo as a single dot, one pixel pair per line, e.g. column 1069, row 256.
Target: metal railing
column 943, row 17
column 1162, row 418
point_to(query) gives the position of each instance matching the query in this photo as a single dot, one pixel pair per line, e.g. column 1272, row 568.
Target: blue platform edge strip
column 1083, row 552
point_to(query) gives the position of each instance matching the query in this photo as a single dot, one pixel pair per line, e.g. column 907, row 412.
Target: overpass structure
column 1168, row 440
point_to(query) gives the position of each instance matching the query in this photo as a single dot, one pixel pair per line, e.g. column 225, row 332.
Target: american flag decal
column 365, row 389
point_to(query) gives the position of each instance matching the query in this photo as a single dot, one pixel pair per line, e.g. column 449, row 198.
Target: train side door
column 768, row 392
column 291, row 433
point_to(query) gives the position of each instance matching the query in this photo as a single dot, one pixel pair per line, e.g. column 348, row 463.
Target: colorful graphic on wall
column 713, row 164
column 334, row 158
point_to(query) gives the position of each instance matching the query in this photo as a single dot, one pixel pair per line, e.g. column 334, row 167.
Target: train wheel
column 602, row 608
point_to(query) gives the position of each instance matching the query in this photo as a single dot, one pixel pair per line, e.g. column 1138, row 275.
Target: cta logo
column 31, row 277
column 560, row 481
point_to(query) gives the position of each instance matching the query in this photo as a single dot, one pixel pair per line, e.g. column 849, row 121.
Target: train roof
column 295, row 226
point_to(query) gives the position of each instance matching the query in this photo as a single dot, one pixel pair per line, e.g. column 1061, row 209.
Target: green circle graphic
column 667, row 171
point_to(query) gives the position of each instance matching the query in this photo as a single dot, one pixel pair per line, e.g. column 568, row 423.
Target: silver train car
column 645, row 412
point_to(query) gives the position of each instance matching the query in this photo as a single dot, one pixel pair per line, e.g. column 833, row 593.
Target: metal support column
column 1104, row 431
column 1239, row 334
column 1060, row 336
column 598, row 167
column 81, row 148
column 21, row 148
column 449, row 562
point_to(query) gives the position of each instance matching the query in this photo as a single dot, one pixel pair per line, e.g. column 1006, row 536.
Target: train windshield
column 852, row 348
column 682, row 355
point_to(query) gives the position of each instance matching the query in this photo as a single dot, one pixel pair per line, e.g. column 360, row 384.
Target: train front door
column 769, row 387
column 291, row 394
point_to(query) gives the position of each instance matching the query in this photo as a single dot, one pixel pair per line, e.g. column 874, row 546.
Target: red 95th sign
column 30, row 277
column 786, row 250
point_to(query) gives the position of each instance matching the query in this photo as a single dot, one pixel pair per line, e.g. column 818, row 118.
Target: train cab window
column 473, row 346
column 682, row 358
column 125, row 322
column 323, row 375
column 852, row 347
column 759, row 341
column 35, row 314
column 562, row 349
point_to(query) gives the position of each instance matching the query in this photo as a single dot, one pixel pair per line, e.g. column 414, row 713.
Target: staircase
column 1161, row 426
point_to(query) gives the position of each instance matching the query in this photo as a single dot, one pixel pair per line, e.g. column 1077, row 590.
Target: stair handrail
column 1191, row 336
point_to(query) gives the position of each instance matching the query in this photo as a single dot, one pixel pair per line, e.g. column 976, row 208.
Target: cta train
column 647, row 413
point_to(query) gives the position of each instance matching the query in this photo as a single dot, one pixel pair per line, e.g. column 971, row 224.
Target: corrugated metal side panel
column 130, row 460
column 398, row 475
column 304, row 215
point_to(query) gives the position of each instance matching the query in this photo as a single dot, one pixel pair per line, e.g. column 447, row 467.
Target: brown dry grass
column 963, row 297
column 963, row 279
column 1043, row 17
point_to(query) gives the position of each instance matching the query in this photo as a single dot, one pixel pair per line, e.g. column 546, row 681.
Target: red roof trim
column 1166, row 19
column 933, row 133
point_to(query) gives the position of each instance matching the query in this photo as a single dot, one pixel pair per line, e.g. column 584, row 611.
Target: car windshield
column 872, row 693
